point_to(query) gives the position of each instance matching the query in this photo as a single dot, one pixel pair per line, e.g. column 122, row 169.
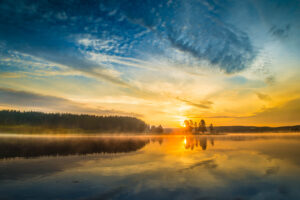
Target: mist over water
column 237, row 166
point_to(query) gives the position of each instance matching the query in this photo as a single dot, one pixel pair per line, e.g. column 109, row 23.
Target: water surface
column 236, row 166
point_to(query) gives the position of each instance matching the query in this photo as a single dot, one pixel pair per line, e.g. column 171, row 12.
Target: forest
column 82, row 122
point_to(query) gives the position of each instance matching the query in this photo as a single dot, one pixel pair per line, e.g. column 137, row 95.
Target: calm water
column 245, row 166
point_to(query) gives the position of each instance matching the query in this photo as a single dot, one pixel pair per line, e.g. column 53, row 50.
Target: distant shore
column 66, row 123
column 38, row 122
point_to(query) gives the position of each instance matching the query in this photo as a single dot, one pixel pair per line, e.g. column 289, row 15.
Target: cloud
column 264, row 97
column 122, row 61
column 283, row 115
column 232, row 53
column 28, row 100
column 22, row 65
column 201, row 104
column 290, row 111
column 75, row 61
column 208, row 164
column 270, row 80
column 197, row 28
column 280, row 32
column 286, row 114
column 217, row 117
column 10, row 75
column 50, row 39
column 272, row 171
column 207, row 31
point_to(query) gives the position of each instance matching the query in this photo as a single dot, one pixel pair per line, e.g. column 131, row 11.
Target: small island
column 194, row 128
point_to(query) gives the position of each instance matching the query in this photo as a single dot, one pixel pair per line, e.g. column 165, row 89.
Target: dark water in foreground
column 246, row 166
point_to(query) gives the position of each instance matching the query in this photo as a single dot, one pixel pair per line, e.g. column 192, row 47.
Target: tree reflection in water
column 55, row 146
column 191, row 142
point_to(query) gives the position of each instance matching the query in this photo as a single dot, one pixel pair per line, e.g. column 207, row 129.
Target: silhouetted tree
column 158, row 129
column 188, row 125
column 195, row 127
column 152, row 129
column 211, row 128
column 202, row 126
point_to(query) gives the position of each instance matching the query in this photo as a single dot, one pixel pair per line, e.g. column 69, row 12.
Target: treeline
column 256, row 129
column 93, row 123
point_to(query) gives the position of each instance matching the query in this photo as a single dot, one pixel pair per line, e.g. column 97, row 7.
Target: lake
column 232, row 166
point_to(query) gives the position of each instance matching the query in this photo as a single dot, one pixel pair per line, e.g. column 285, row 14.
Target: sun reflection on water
column 184, row 140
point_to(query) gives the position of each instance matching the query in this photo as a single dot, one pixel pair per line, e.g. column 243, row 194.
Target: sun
column 182, row 124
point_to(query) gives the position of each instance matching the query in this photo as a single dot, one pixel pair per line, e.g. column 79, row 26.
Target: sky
column 228, row 62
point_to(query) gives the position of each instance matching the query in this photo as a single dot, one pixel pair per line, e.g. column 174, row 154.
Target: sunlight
column 182, row 124
column 184, row 141
column 181, row 120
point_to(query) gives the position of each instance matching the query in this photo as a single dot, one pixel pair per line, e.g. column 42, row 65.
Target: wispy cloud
column 207, row 38
column 208, row 164
column 34, row 101
column 23, row 64
column 264, row 97
column 280, row 32
column 288, row 112
column 10, row 75
column 201, row 104
column 270, row 80
column 217, row 117
column 280, row 115
column 70, row 35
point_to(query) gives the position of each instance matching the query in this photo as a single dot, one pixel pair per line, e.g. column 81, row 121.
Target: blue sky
column 160, row 57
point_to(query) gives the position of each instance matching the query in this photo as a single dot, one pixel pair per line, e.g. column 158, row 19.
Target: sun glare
column 184, row 141
column 182, row 124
